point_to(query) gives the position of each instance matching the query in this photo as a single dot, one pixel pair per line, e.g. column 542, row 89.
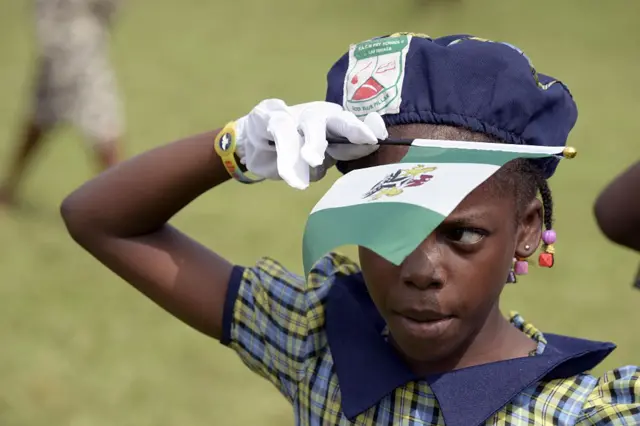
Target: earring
column 546, row 259
column 521, row 267
column 511, row 278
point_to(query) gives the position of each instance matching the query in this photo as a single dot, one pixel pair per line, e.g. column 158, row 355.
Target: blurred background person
column 74, row 83
column 617, row 209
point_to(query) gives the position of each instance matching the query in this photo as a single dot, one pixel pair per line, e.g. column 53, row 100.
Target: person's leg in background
column 99, row 112
column 38, row 125
column 101, row 117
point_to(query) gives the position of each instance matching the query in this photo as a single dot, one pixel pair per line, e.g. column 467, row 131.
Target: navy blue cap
column 459, row 80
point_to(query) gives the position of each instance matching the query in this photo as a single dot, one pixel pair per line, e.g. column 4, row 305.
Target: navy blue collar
column 368, row 369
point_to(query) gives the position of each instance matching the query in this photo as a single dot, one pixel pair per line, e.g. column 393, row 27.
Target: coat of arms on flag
column 394, row 183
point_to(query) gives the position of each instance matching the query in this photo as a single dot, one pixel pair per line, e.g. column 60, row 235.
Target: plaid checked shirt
column 320, row 342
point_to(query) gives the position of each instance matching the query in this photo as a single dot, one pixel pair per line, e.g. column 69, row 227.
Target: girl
column 421, row 343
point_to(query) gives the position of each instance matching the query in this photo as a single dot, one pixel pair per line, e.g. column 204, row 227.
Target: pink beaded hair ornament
column 545, row 260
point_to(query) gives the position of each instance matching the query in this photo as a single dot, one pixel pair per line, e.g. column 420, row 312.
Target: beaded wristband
column 225, row 147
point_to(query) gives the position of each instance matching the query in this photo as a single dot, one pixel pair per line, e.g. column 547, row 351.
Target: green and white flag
column 392, row 208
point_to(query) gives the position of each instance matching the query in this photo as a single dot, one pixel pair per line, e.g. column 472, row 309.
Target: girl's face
column 444, row 296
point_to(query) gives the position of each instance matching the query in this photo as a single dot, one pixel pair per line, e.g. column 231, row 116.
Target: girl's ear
column 529, row 230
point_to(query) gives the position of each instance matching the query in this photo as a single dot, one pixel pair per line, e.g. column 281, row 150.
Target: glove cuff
column 241, row 137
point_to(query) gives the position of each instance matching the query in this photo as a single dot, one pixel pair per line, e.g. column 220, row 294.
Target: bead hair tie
column 546, row 258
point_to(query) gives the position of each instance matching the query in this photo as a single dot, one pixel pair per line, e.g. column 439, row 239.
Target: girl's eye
column 466, row 235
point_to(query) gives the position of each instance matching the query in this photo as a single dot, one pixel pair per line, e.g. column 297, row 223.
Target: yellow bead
column 569, row 152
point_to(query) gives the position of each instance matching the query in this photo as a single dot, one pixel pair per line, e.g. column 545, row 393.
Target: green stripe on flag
column 389, row 229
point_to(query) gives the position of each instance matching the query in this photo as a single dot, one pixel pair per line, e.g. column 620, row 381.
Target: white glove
column 300, row 136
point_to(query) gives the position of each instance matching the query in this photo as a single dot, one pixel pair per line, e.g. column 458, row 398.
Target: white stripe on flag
column 450, row 183
column 489, row 146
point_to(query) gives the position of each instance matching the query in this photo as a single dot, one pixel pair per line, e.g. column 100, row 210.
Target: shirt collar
column 368, row 369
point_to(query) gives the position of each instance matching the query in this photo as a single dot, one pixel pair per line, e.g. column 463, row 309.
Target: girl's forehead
column 389, row 155
column 438, row 131
column 384, row 155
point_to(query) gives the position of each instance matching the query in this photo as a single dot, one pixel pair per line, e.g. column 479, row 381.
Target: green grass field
column 78, row 347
